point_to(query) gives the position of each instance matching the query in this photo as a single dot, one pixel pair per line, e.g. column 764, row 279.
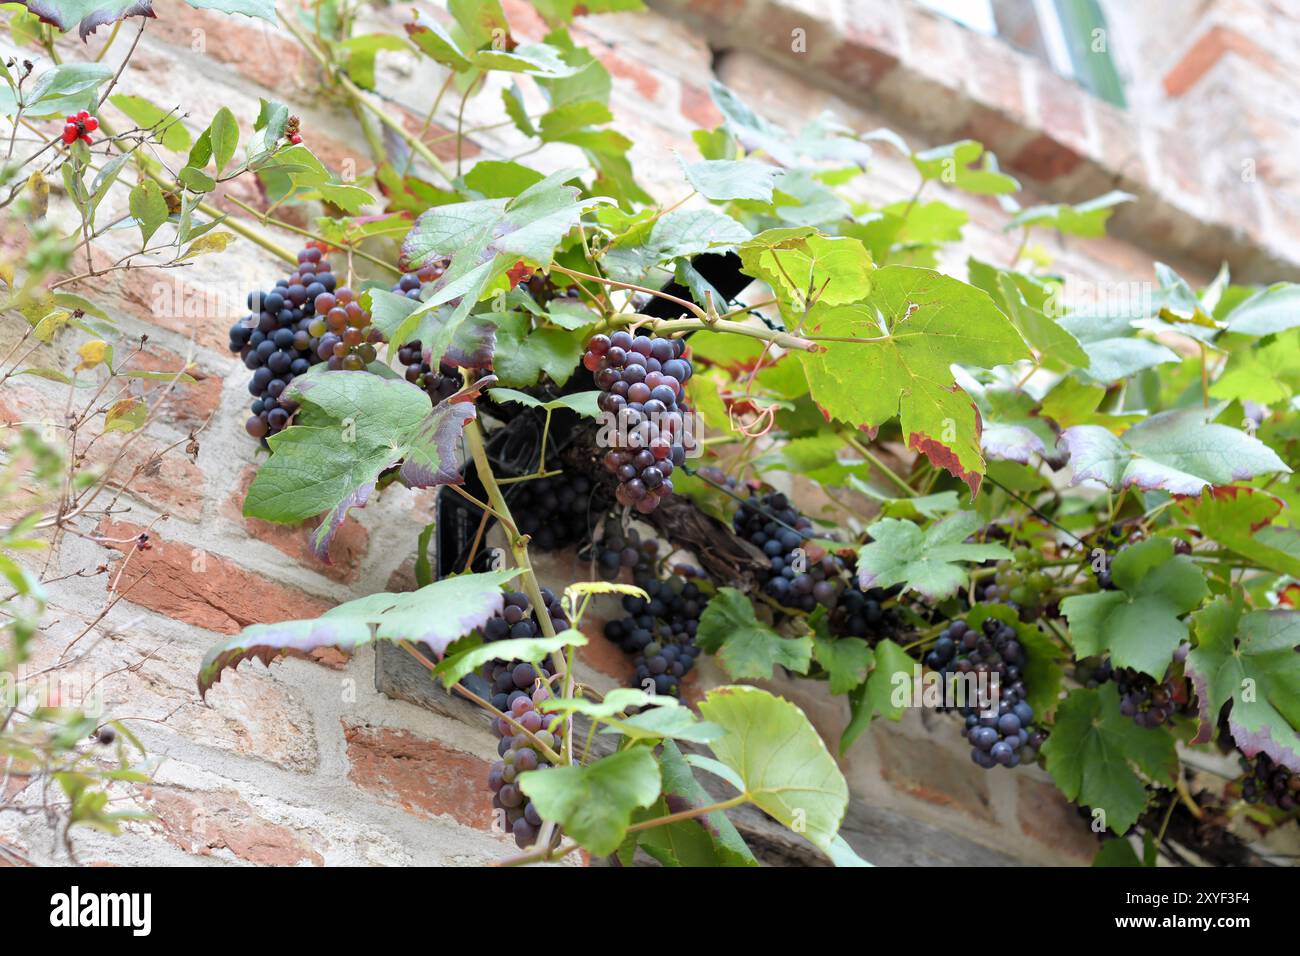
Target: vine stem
column 360, row 96
column 877, row 463
column 267, row 219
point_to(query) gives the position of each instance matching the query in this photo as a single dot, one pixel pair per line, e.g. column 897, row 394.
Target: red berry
column 84, row 114
column 72, row 119
column 86, row 139
column 295, row 139
column 91, row 124
column 69, row 135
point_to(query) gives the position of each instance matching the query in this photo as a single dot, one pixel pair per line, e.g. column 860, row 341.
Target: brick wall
column 305, row 763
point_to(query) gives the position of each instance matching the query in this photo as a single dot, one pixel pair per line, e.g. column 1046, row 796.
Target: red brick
column 1207, row 51
column 1119, row 147
column 149, row 471
column 698, row 106
column 186, row 404
column 931, row 773
column 859, row 63
column 994, row 75
column 1061, row 107
column 647, row 86
column 935, row 46
column 1043, row 158
column 422, row 776
column 525, row 22
column 1046, row 816
column 201, row 823
column 347, row 549
column 260, row 51
column 223, row 597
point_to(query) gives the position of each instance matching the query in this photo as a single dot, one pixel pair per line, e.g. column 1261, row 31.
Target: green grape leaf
column 663, row 722
column 747, row 648
column 816, row 457
column 360, row 52
column 584, row 403
column 1249, row 658
column 461, row 661
column 1266, row 374
column 846, row 660
column 1102, row 759
column 678, row 234
column 170, row 131
column 1177, row 451
column 1267, row 312
column 781, row 759
column 524, row 353
column 484, row 239
column 926, row 561
column 708, row 840
column 563, row 11
column 919, row 324
column 1139, row 624
column 366, row 425
column 594, row 804
column 802, row 266
column 1086, row 219
column 1241, row 519
column 435, row 615
column 1053, row 343
column 952, row 165
column 725, row 179
column 1113, row 348
column 60, row 90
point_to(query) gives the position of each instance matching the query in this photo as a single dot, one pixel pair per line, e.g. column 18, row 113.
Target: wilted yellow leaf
column 92, row 353
column 212, row 242
column 38, row 195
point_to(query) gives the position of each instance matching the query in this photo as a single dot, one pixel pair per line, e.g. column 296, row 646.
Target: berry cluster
column 994, row 658
column 618, row 549
column 1270, row 783
column 642, row 381
column 553, row 511
column 1148, row 701
column 517, row 688
column 301, row 322
column 291, row 130
column 793, row 578
column 79, row 127
column 418, row 362
column 660, row 632
column 863, row 614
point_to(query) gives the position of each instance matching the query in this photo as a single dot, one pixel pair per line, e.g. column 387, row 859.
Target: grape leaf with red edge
column 1250, row 659
column 1102, row 759
column 435, row 615
column 485, row 238
column 89, row 15
column 900, row 552
column 363, row 425
column 1139, row 624
column 746, row 647
column 1241, row 519
column 920, row 323
column 1177, row 451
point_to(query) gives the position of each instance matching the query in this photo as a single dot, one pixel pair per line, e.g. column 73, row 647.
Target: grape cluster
column 301, row 322
column 1148, row 701
column 642, row 381
column 1270, row 783
column 863, row 614
column 618, row 549
column 517, row 688
column 773, row 524
column 553, row 511
column 659, row 631
column 1008, row 737
column 417, row 361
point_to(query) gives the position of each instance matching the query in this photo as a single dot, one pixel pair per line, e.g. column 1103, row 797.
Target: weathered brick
column 932, row 773
column 186, row 584
column 1208, row 49
column 603, row 655
column 1046, row 816
column 420, row 775
column 149, row 471
column 262, row 52
column 625, row 68
column 187, row 403
column 347, row 548
column 698, row 106
column 1044, row 159
column 207, row 823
